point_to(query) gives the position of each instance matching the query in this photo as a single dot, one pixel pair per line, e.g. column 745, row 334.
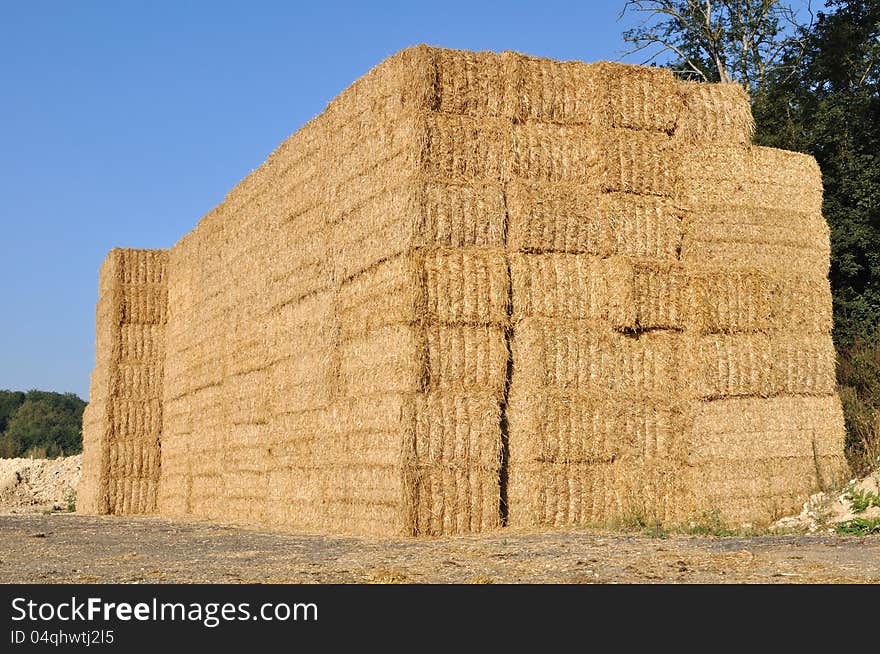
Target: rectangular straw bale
column 734, row 251
column 572, row 286
column 727, row 365
column 463, row 148
column 136, row 380
column 772, row 240
column 557, row 153
column 143, row 266
column 750, row 176
column 311, row 271
column 296, row 437
column 466, row 357
column 457, row 215
column 385, row 225
column 247, row 398
column 558, row 218
column 556, row 494
column 713, row 299
column 756, row 492
column 747, row 429
column 559, row 495
column 729, row 300
column 779, row 363
column 388, row 360
column 639, row 97
column 643, row 226
column 804, row 364
column 800, row 303
column 714, row 113
column 141, row 417
column 304, row 381
column 457, row 464
column 562, row 92
column 465, row 285
column 388, row 294
column 460, row 429
column 304, row 325
column 472, row 83
column 248, row 345
column 454, row 501
column 141, row 343
column 144, row 304
column 582, row 357
column 565, row 428
column 642, row 162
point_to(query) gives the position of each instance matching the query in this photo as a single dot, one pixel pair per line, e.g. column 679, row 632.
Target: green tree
column 9, row 402
column 745, row 41
column 830, row 108
column 49, row 424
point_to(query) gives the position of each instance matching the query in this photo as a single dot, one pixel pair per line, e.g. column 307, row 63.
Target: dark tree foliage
column 819, row 94
column 40, row 423
column 9, row 402
column 830, row 108
column 718, row 40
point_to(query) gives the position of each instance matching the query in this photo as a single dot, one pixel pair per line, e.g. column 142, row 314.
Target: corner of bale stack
column 122, row 424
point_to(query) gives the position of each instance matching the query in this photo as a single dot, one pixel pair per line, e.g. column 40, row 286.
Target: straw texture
column 483, row 289
column 122, row 427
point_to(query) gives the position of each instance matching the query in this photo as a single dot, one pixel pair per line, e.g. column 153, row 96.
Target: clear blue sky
column 122, row 123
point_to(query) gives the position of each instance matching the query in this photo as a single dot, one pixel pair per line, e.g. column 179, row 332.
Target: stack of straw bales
column 122, row 422
column 485, row 288
column 671, row 353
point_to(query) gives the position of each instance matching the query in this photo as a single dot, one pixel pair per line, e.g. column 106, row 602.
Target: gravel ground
column 72, row 548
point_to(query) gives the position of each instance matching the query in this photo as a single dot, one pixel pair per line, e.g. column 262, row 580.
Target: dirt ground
column 73, row 548
column 28, row 485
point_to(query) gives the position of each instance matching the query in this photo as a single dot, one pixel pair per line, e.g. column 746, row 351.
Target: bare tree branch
column 720, row 40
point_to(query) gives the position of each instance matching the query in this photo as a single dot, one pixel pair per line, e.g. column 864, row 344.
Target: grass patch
column 859, row 527
column 861, row 500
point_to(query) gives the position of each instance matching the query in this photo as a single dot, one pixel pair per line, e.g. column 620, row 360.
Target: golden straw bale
column 644, row 227
column 751, row 176
column 639, row 97
column 573, row 286
column 561, row 92
column 463, row 148
column 558, row 427
column 556, row 153
column 387, row 360
column 661, row 295
column 641, row 162
column 769, row 240
column 466, row 357
column 714, row 113
column 583, row 357
column 559, row 218
column 472, row 83
column 467, row 285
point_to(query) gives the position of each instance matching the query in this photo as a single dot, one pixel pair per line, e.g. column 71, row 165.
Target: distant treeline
column 40, row 424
